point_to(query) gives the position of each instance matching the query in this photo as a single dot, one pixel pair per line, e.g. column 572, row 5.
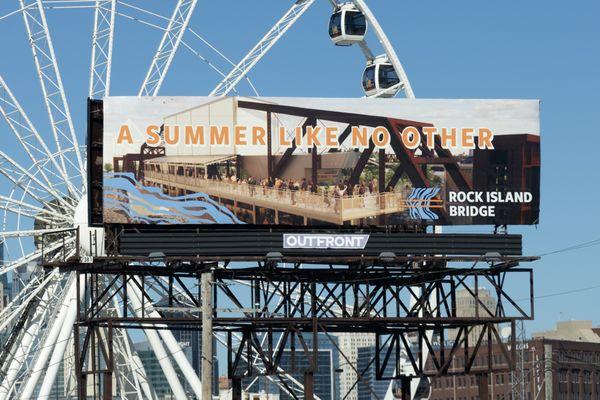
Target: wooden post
column 269, row 148
column 314, row 168
column 381, row 184
column 238, row 166
column 381, row 177
column 483, row 382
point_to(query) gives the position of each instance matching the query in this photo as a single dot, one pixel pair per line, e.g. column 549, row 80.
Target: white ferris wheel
column 43, row 170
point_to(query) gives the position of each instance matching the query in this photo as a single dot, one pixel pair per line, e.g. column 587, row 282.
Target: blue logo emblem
column 419, row 203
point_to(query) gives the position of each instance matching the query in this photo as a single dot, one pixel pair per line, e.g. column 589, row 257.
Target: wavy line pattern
column 126, row 197
column 419, row 201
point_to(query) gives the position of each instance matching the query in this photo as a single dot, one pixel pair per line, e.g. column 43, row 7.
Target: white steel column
column 159, row 351
column 24, row 345
column 66, row 331
column 172, row 345
column 68, row 306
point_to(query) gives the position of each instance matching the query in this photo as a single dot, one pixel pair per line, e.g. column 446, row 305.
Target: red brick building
column 563, row 364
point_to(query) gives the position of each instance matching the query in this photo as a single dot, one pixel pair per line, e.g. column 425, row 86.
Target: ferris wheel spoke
column 186, row 45
column 26, row 133
column 19, row 211
column 20, row 207
column 227, row 59
column 35, row 255
column 167, row 48
column 201, row 57
column 22, row 299
column 102, row 48
column 261, row 48
column 6, row 161
column 30, row 233
column 46, row 64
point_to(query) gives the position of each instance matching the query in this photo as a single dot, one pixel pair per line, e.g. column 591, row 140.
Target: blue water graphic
column 124, row 195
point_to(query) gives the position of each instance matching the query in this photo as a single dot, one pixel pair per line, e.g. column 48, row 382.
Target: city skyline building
column 349, row 343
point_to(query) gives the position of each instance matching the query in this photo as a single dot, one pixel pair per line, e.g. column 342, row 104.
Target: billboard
column 317, row 161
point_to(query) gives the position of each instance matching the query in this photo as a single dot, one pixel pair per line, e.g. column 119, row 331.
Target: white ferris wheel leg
column 167, row 48
column 159, row 351
column 65, row 331
column 130, row 357
column 68, row 307
column 48, row 72
column 25, row 342
column 172, row 345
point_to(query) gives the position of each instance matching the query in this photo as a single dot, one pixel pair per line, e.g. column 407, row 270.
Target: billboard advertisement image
column 319, row 162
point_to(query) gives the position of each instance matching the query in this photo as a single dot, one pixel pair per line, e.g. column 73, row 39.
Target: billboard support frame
column 321, row 290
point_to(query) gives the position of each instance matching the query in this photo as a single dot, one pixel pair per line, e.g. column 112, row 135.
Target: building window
column 562, row 376
column 575, row 376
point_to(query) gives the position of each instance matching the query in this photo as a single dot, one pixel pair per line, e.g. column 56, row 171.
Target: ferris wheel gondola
column 380, row 78
column 347, row 25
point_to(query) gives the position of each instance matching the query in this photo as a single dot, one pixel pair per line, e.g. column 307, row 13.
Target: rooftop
column 575, row 331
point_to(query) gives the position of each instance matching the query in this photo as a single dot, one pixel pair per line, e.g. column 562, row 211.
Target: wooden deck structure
column 307, row 205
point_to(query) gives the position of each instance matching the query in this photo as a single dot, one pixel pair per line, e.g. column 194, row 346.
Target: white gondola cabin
column 347, row 25
column 380, row 78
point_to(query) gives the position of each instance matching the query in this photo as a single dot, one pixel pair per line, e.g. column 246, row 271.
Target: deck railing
column 326, row 201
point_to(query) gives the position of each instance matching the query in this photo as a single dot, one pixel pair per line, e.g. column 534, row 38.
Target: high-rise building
column 468, row 306
column 368, row 386
column 154, row 373
column 349, row 343
column 325, row 382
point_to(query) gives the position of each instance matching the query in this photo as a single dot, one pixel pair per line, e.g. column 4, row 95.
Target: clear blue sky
column 538, row 49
